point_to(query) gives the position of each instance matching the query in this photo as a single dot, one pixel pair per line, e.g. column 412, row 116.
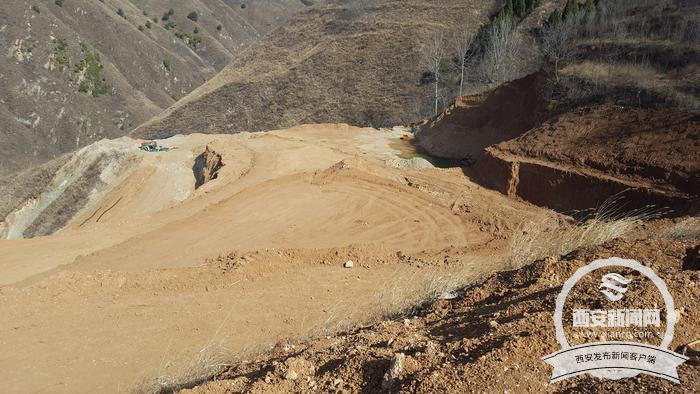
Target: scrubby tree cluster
column 501, row 52
column 494, row 52
column 516, row 8
column 497, row 53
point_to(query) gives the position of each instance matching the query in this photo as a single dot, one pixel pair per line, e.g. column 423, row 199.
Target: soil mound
column 475, row 122
column 606, row 150
column 655, row 146
column 206, row 167
column 502, row 325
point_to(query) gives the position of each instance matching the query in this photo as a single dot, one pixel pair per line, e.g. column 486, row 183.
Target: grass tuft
column 550, row 237
column 205, row 366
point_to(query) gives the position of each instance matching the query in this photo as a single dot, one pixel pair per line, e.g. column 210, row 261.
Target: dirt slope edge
column 567, row 189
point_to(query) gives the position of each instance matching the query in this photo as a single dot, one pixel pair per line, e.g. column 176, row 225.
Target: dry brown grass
column 635, row 75
column 688, row 228
column 551, row 237
column 173, row 377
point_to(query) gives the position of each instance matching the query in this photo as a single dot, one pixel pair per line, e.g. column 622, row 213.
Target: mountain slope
column 75, row 71
column 333, row 63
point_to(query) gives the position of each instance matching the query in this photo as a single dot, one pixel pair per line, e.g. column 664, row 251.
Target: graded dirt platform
column 152, row 270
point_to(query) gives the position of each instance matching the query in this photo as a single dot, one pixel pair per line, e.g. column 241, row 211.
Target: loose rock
column 394, row 371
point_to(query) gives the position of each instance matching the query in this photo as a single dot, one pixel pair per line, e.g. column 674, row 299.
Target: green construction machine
column 152, row 146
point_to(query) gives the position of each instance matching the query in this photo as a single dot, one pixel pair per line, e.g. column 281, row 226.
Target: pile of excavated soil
column 643, row 157
column 476, row 122
column 206, row 166
column 489, row 339
column 653, row 146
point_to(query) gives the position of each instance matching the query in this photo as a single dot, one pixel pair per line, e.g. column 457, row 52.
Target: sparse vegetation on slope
column 43, row 110
column 90, row 75
column 344, row 62
column 639, row 53
column 503, row 323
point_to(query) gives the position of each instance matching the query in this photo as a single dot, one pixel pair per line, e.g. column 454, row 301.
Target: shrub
column 243, row 5
column 91, row 67
column 193, row 16
column 191, row 40
column 59, row 3
column 219, row 27
column 170, row 25
column 120, row 12
column 167, row 64
column 60, row 57
column 61, row 44
column 686, row 229
column 554, row 17
column 148, row 24
column 36, row 9
column 141, row 28
column 62, row 60
column 196, row 30
column 307, row 2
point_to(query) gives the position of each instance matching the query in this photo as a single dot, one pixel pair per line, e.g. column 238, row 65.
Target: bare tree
column 462, row 41
column 501, row 51
column 557, row 43
column 431, row 57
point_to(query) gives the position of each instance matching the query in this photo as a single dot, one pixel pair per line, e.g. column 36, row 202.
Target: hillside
column 355, row 63
column 76, row 71
column 503, row 323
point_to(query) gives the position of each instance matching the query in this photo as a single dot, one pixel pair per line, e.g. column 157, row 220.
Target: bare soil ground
column 489, row 339
column 477, row 121
column 151, row 270
column 654, row 146
column 646, row 156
